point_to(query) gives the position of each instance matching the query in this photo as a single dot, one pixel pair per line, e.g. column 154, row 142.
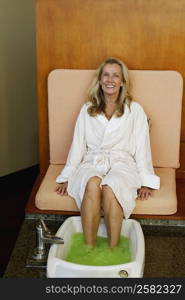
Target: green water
column 101, row 254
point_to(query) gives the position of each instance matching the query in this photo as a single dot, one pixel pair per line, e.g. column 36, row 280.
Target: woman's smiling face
column 111, row 80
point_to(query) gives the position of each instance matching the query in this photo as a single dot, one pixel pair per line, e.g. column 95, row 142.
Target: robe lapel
column 102, row 119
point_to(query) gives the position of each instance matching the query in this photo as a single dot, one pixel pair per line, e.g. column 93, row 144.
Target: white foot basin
column 57, row 267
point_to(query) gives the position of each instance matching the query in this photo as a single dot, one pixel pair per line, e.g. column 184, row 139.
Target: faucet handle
column 48, row 237
column 44, row 226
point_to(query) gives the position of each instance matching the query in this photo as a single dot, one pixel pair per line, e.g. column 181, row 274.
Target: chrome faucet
column 43, row 237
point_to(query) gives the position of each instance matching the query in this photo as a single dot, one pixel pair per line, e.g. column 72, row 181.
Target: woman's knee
column 107, row 189
column 93, row 184
column 109, row 200
column 107, row 194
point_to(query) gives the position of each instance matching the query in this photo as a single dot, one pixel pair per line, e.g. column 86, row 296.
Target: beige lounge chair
column 160, row 94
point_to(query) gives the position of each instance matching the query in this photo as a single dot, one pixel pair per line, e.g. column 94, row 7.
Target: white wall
column 18, row 109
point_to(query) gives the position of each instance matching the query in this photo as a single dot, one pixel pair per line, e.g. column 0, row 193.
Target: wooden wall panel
column 146, row 34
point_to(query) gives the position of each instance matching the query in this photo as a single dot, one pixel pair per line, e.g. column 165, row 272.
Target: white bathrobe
column 116, row 150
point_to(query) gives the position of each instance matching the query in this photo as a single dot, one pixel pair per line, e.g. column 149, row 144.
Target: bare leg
column 113, row 215
column 90, row 210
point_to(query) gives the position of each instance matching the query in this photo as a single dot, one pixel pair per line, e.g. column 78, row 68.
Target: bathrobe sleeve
column 77, row 149
column 143, row 156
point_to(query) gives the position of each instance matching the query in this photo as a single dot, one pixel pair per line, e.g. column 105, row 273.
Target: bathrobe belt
column 104, row 159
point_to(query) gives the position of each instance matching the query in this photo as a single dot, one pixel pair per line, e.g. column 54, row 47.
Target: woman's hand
column 144, row 193
column 61, row 189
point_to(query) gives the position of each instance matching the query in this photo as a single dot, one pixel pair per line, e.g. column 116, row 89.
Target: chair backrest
column 159, row 93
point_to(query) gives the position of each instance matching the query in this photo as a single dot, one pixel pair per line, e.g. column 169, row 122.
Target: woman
column 109, row 164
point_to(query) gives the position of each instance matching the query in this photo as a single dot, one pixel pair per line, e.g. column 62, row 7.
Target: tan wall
column 18, row 110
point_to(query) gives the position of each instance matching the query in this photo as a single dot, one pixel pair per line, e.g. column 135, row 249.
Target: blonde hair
column 96, row 96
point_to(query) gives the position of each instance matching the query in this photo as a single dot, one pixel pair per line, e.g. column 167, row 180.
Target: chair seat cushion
column 163, row 201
